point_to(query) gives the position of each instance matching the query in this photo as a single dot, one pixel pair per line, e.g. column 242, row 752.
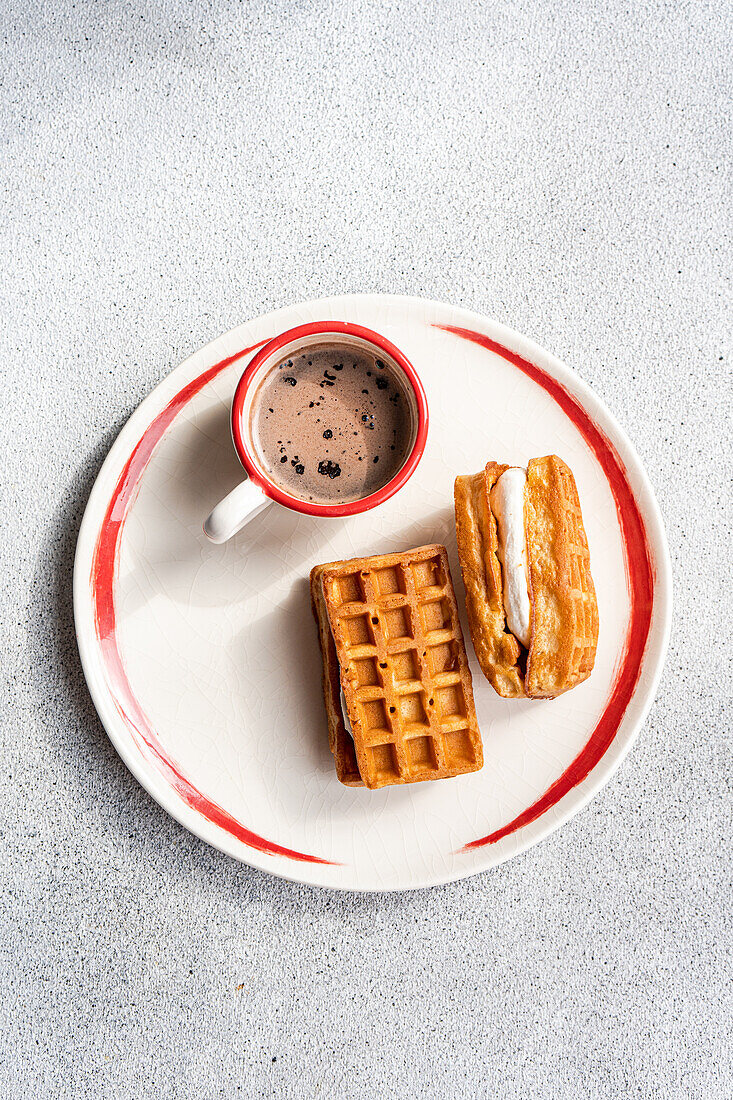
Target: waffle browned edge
column 564, row 608
column 497, row 650
column 341, row 744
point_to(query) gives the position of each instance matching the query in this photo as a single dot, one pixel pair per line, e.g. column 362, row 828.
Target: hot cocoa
column 332, row 424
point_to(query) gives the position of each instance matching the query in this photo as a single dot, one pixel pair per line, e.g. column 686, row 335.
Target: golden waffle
column 564, row 609
column 391, row 640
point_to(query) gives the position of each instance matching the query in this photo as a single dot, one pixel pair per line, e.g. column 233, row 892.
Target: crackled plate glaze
column 203, row 663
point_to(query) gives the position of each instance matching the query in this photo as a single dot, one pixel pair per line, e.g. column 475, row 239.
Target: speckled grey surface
column 170, row 170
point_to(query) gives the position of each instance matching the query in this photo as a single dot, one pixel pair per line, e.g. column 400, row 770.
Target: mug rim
column 241, row 435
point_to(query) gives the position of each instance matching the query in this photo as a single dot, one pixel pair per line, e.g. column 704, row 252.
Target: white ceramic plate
column 203, row 663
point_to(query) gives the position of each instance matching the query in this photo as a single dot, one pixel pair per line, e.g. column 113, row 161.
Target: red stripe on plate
column 640, row 579
column 104, row 569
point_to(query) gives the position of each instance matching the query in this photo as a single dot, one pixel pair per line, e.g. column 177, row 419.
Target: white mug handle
column 234, row 511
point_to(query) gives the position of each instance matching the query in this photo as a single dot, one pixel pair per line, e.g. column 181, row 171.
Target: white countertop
column 171, row 170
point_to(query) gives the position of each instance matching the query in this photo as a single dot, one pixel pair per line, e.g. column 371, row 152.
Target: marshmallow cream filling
column 347, row 723
column 507, row 504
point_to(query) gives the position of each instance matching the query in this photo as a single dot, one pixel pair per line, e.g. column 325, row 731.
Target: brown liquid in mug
column 332, row 424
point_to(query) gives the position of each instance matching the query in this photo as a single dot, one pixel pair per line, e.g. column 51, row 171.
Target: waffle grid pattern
column 401, row 652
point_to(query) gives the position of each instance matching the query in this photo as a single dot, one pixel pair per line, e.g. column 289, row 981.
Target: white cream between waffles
column 507, row 504
column 530, row 597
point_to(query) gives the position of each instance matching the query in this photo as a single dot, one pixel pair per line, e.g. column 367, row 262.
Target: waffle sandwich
column 530, row 597
column 395, row 674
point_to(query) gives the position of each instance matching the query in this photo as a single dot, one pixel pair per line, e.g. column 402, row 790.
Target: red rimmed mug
column 260, row 489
